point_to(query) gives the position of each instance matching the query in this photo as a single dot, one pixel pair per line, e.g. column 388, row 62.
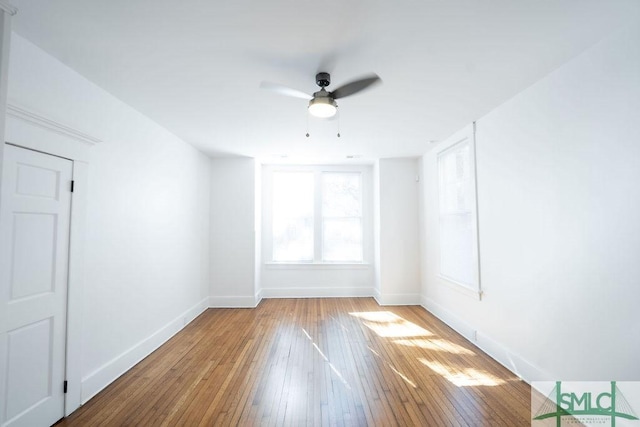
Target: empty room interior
column 318, row 213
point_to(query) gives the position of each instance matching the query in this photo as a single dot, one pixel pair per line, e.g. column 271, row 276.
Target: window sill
column 317, row 265
column 475, row 293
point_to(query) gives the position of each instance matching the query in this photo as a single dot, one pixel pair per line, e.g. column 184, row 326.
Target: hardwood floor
column 343, row 361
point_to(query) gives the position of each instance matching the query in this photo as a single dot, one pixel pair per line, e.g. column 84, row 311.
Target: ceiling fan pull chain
column 307, row 115
column 338, row 124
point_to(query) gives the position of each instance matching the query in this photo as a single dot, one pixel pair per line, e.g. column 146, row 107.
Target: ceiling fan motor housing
column 322, row 104
column 323, row 79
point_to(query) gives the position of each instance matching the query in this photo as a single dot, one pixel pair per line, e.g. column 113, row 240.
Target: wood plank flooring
column 313, row 362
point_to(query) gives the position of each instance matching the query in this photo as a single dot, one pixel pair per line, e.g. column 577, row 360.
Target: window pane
column 456, row 181
column 293, row 216
column 456, row 246
column 341, row 194
column 342, row 239
column 293, row 194
column 456, row 198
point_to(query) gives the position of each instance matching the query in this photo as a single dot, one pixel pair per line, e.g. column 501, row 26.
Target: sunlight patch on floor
column 465, row 377
column 436, row 345
column 389, row 325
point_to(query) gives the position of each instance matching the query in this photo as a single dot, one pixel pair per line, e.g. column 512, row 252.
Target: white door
column 35, row 208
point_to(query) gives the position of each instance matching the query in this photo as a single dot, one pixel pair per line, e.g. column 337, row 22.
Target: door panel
column 29, row 380
column 34, row 254
column 33, row 244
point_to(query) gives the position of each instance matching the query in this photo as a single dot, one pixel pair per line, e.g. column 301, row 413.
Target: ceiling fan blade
column 284, row 90
column 355, row 86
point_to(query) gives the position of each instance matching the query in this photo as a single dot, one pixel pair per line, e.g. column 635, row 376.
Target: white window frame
column 472, row 288
column 365, row 172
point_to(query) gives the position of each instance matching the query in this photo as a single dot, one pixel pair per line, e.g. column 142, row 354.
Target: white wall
column 257, row 221
column 5, row 47
column 233, row 234
column 147, row 216
column 314, row 281
column 241, row 274
column 398, row 239
column 558, row 171
column 377, row 279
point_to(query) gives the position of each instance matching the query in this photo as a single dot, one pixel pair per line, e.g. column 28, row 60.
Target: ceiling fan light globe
column 323, row 107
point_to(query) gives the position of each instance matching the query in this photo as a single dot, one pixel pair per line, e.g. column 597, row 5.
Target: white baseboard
column 376, row 295
column 93, row 383
column 447, row 317
column 514, row 362
column 510, row 360
column 316, row 292
column 234, row 301
column 398, row 299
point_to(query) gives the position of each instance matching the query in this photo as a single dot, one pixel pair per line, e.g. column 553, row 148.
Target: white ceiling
column 194, row 66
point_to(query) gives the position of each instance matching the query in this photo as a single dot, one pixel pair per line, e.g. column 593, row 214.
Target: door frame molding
column 49, row 140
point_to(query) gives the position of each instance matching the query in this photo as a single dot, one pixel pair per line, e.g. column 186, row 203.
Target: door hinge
column 72, row 185
column 65, row 386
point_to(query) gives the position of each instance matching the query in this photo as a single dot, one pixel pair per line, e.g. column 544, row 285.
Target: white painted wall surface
column 558, row 172
column 147, row 216
column 399, row 233
column 317, row 281
column 257, row 221
column 5, row 47
column 233, row 244
column 376, row 230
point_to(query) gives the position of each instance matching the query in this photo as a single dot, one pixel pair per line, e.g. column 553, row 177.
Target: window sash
column 344, row 208
column 292, row 223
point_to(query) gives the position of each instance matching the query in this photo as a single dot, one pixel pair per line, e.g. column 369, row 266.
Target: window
column 457, row 211
column 317, row 216
column 293, row 205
